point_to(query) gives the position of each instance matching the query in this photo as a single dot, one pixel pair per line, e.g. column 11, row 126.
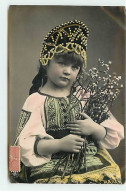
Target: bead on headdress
column 70, row 36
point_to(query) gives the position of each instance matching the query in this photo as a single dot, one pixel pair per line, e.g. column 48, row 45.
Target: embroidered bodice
column 58, row 111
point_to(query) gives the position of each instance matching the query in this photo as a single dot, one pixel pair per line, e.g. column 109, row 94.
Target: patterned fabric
column 101, row 169
column 24, row 117
column 58, row 112
column 99, row 164
column 47, row 120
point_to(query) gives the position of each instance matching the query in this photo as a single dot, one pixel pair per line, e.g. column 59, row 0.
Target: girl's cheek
column 57, row 71
column 76, row 74
column 58, row 68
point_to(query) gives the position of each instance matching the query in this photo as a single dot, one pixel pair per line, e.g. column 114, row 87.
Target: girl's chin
column 63, row 85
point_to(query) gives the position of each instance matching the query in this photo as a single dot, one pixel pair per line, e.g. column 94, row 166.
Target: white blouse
column 35, row 127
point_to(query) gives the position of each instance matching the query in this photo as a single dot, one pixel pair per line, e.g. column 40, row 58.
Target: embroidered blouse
column 44, row 117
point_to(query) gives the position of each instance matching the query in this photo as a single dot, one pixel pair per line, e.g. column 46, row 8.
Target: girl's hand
column 71, row 143
column 86, row 127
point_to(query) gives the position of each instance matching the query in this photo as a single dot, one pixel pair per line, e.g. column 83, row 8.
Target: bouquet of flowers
column 98, row 89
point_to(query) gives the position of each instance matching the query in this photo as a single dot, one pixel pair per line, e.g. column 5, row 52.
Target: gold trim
column 69, row 47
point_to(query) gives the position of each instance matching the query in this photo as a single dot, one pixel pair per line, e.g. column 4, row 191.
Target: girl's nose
column 67, row 70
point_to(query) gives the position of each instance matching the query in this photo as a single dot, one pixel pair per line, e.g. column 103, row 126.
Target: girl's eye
column 61, row 63
column 75, row 67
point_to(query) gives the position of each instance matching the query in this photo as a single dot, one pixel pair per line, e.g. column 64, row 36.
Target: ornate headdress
column 70, row 36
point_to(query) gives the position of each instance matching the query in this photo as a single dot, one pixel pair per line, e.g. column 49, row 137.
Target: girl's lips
column 64, row 78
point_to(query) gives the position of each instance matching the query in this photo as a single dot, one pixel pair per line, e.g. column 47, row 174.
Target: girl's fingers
column 75, row 132
column 85, row 116
column 79, row 144
column 76, row 151
column 72, row 124
column 78, row 148
column 73, row 129
column 79, row 139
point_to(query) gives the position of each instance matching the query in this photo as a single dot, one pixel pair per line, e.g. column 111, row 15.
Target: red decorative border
column 14, row 158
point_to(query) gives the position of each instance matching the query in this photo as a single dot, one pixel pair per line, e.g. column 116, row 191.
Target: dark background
column 27, row 27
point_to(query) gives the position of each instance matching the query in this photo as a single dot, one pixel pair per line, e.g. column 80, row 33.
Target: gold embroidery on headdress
column 71, row 36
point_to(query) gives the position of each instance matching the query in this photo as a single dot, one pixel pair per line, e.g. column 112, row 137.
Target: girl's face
column 62, row 73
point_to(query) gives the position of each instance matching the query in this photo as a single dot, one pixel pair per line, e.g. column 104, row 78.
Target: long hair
column 41, row 78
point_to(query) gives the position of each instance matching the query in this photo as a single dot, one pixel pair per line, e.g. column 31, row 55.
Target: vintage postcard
column 66, row 94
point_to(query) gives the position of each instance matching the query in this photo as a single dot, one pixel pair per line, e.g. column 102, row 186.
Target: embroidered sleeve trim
column 24, row 117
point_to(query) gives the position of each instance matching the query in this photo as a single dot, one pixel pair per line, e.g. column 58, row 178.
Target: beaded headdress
column 70, row 36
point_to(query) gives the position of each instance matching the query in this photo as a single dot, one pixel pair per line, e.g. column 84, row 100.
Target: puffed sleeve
column 31, row 124
column 114, row 133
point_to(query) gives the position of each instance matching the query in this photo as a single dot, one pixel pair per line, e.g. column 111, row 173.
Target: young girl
column 49, row 127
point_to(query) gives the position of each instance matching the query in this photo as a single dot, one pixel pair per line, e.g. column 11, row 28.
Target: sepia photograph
column 66, row 105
